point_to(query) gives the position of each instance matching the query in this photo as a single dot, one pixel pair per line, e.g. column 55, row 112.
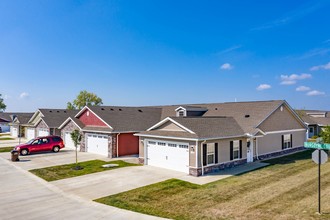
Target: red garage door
column 128, row 144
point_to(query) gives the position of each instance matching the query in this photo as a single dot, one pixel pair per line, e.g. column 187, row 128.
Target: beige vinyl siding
column 223, row 150
column 281, row 120
column 273, row 142
column 170, row 126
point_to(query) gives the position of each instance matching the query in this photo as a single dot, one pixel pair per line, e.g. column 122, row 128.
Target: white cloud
column 6, row 96
column 288, row 82
column 263, row 87
column 293, row 78
column 302, row 89
column 314, row 93
column 23, row 95
column 226, row 66
column 230, row 49
column 319, row 67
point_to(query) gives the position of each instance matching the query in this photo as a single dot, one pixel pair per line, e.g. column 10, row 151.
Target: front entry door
column 249, row 150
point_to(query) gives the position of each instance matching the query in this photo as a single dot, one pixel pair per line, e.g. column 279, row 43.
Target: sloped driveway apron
column 96, row 185
column 25, row 196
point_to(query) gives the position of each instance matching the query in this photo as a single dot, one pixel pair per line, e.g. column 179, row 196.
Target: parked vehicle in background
column 39, row 144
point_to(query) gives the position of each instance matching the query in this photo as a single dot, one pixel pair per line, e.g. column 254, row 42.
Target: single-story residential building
column 200, row 138
column 109, row 130
column 316, row 120
column 17, row 126
column 5, row 119
column 46, row 122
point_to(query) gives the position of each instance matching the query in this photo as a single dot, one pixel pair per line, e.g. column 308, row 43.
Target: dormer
column 184, row 111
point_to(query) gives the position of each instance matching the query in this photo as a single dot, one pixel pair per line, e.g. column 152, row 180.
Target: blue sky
column 153, row 52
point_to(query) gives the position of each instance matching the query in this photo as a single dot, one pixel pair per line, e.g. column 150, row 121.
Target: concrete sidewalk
column 222, row 174
column 25, row 196
column 12, row 143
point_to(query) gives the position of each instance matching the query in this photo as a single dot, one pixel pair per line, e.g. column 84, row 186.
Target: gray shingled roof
column 128, row 118
column 257, row 111
column 204, row 128
column 55, row 117
column 23, row 117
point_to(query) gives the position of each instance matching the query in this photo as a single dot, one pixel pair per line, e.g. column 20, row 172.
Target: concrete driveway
column 96, row 185
column 47, row 159
column 25, row 196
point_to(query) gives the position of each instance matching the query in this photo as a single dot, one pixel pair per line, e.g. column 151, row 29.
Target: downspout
column 117, row 143
column 202, row 157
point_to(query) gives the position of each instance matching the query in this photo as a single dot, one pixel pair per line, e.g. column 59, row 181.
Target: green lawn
column 6, row 138
column 287, row 189
column 5, row 149
column 66, row 171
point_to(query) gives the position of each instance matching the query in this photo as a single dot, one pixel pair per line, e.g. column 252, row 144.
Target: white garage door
column 169, row 155
column 14, row 132
column 30, row 133
column 43, row 132
column 68, row 140
column 97, row 144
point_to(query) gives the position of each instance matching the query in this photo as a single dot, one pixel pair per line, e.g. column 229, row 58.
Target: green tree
column 84, row 98
column 76, row 138
column 2, row 104
column 325, row 134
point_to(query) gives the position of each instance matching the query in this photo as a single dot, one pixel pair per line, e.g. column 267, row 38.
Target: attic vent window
column 247, row 116
column 111, row 109
column 181, row 113
column 87, row 113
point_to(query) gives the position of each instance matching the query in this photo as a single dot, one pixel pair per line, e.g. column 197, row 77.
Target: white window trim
column 207, row 154
column 238, row 158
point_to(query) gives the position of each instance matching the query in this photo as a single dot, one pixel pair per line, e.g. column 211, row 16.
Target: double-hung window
column 235, row 150
column 210, row 153
column 286, row 141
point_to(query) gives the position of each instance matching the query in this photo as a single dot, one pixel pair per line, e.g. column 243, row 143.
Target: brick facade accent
column 41, row 125
column 280, row 153
column 69, row 127
column 217, row 167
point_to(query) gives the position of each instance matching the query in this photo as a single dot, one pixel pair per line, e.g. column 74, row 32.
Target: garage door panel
column 68, row 140
column 43, row 132
column 97, row 144
column 30, row 133
column 169, row 155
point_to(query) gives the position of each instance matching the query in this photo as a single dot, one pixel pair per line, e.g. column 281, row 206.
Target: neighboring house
column 7, row 124
column 316, row 120
column 200, row 138
column 109, row 130
column 46, row 122
column 5, row 119
column 17, row 126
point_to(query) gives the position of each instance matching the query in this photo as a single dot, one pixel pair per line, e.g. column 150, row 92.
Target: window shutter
column 231, row 150
column 240, row 148
column 216, row 152
column 204, row 154
column 282, row 142
column 291, row 144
